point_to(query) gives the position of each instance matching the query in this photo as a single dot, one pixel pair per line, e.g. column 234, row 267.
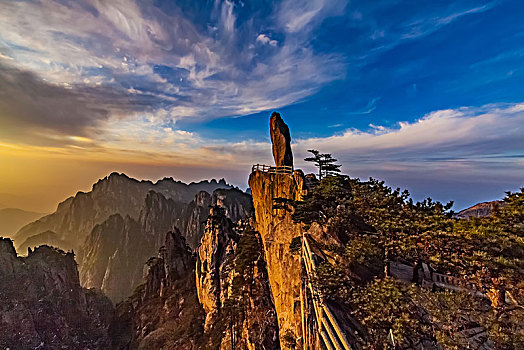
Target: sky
column 426, row 95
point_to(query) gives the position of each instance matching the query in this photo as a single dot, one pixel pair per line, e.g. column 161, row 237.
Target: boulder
column 281, row 140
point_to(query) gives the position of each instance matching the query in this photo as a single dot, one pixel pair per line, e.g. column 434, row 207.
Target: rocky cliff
column 479, row 210
column 43, row 305
column 117, row 249
column 233, row 287
column 74, row 218
column 277, row 230
column 163, row 312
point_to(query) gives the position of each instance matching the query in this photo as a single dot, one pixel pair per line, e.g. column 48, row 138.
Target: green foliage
column 392, row 212
column 332, row 281
column 320, row 204
column 486, row 250
column 386, row 308
column 364, row 250
column 324, row 162
column 376, row 223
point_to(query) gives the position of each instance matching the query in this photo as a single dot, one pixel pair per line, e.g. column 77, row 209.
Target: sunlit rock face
column 281, row 140
column 233, row 287
column 43, row 305
column 117, row 249
column 277, row 229
column 75, row 218
column 479, row 210
column 215, row 263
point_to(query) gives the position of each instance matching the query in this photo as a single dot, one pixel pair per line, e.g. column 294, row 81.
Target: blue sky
column 427, row 95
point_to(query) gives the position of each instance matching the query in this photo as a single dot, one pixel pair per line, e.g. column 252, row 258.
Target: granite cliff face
column 117, row 249
column 233, row 287
column 75, row 217
column 163, row 312
column 43, row 305
column 194, row 217
column 215, row 262
column 277, row 230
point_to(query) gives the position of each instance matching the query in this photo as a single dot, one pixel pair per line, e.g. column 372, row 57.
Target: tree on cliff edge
column 324, row 162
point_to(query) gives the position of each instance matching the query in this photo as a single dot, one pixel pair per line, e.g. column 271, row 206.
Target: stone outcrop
column 479, row 210
column 43, row 305
column 163, row 312
column 233, row 287
column 281, row 140
column 193, row 220
column 237, row 205
column 117, row 249
column 75, row 217
column 173, row 263
column 215, row 262
column 277, row 229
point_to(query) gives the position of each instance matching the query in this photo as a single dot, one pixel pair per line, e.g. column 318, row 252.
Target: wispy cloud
column 470, row 152
column 142, row 53
column 463, row 133
column 429, row 25
column 473, row 150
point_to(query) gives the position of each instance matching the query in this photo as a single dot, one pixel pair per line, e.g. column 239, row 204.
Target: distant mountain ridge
column 117, row 193
column 479, row 210
column 12, row 219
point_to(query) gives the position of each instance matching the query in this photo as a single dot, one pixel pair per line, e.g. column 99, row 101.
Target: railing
column 328, row 328
column 283, row 169
column 431, row 279
column 454, row 283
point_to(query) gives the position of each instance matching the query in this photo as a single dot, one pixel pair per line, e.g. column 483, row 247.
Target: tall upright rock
column 233, row 287
column 277, row 229
column 281, row 140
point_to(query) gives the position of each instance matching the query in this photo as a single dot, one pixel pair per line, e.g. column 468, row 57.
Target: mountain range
column 167, row 265
column 12, row 219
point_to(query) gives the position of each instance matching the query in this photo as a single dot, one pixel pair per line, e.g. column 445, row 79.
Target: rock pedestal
column 277, row 229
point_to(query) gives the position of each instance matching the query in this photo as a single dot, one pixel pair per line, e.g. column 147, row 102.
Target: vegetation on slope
column 373, row 225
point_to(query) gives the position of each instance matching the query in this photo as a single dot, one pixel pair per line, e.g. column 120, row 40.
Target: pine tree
column 324, row 162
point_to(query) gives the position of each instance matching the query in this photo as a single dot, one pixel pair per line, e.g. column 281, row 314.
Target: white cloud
column 426, row 25
column 301, row 16
column 264, row 39
column 455, row 133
